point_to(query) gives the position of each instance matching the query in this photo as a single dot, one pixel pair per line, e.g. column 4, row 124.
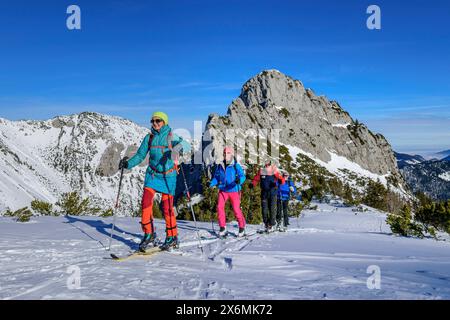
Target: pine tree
column 208, row 206
column 43, row 208
column 206, row 209
column 71, row 203
column 348, row 196
column 251, row 198
column 376, row 195
column 403, row 224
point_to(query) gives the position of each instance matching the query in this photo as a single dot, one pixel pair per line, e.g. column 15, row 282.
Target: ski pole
column 298, row 216
column 192, row 209
column 212, row 223
column 115, row 207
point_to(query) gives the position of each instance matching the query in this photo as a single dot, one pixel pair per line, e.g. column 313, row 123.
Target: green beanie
column 162, row 116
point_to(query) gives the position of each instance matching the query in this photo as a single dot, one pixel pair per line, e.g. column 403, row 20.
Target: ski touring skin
column 147, row 253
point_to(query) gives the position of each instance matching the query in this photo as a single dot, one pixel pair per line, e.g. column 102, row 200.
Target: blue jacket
column 225, row 178
column 160, row 174
column 284, row 192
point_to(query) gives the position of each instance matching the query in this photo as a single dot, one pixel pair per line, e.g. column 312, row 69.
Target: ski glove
column 123, row 164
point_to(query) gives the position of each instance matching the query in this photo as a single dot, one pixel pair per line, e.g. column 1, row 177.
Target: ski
column 234, row 236
column 136, row 254
column 154, row 250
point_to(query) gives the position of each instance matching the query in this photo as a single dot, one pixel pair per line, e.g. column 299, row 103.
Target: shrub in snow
column 403, row 224
column 21, row 215
column 295, row 208
column 107, row 213
column 157, row 210
column 360, row 208
column 43, row 208
column 72, row 204
column 435, row 214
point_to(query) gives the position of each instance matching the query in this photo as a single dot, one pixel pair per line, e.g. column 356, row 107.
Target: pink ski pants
column 234, row 197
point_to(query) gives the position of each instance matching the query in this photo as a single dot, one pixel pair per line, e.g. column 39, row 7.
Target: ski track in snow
column 325, row 256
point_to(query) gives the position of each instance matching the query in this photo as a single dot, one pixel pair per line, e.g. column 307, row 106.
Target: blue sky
column 190, row 58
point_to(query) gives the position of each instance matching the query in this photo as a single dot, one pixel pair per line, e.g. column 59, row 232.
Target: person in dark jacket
column 268, row 178
column 285, row 191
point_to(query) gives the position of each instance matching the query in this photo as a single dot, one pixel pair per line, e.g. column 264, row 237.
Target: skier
column 161, row 177
column 268, row 177
column 229, row 176
column 285, row 190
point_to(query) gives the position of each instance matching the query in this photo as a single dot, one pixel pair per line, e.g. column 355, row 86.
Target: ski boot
column 223, row 233
column 270, row 229
column 171, row 242
column 148, row 239
column 241, row 233
column 279, row 227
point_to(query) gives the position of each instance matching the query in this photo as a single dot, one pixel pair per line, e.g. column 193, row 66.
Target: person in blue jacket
column 229, row 177
column 163, row 146
column 285, row 190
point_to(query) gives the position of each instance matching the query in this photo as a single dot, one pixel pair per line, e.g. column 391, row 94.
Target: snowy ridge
column 43, row 159
column 337, row 163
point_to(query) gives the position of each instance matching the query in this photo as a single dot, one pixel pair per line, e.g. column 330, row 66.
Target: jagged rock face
column 314, row 124
column 43, row 159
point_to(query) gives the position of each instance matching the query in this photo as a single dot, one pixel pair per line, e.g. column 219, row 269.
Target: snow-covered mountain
column 431, row 177
column 442, row 154
column 43, row 159
column 404, row 159
column 333, row 253
column 313, row 129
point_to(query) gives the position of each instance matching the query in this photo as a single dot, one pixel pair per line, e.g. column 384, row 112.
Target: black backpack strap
column 214, row 171
column 235, row 170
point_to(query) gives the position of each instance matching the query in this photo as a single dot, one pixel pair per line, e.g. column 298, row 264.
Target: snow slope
column 337, row 164
column 44, row 159
column 325, row 257
column 445, row 176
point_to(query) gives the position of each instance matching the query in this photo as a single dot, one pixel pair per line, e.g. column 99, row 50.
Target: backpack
column 169, row 145
column 234, row 166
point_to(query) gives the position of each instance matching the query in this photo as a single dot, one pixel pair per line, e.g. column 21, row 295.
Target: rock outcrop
column 318, row 127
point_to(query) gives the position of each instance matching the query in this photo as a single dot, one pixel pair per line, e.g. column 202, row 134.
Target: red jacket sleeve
column 257, row 178
column 279, row 177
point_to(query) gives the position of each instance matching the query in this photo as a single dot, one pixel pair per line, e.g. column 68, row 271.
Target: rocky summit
column 310, row 125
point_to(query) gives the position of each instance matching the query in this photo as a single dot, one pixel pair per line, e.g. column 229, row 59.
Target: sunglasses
column 156, row 121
